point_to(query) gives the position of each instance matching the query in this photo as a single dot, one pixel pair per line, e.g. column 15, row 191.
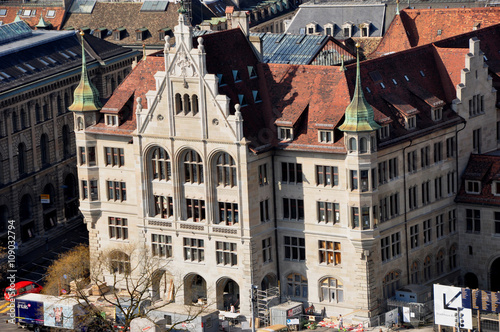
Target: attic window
column 251, row 72
column 496, row 188
column 407, row 79
column 411, row 122
column 118, row 33
column 368, row 89
column 140, row 34
column 50, row 13
column 422, row 73
column 382, row 85
column 347, row 29
column 329, row 29
column 29, row 66
column 242, row 100
column 112, row 120
column 472, row 187
column 384, row 132
column 325, row 136
column 50, row 59
column 394, row 81
column 222, row 81
column 311, row 28
column 285, row 133
column 256, row 96
column 21, row 69
column 163, row 32
column 437, row 114
column 43, row 61
column 485, row 58
column 3, row 12
column 26, row 12
column 236, row 76
column 64, row 55
column 365, row 30
column 440, row 32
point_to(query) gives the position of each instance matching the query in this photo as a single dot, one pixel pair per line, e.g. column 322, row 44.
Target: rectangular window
column 365, row 218
column 326, row 136
column 295, row 248
column 390, row 246
column 374, row 178
column 438, row 187
column 412, row 161
column 412, row 198
column 82, row 155
column 355, row 217
column 354, row 180
column 450, row 147
column 164, row 207
column 291, row 173
column 228, row 213
column 264, row 210
column 414, row 236
column 327, row 176
column 194, row 250
column 451, row 183
column 116, row 191
column 476, row 140
column 328, row 212
column 452, row 221
column 383, row 132
column 393, row 168
column 85, row 189
column 329, row 252
column 427, row 231
column 411, row 122
column 114, row 156
column 439, row 226
column 438, row 152
column 161, row 245
column 285, row 134
column 263, row 180
column 94, row 194
column 497, row 222
column 118, row 228
column 384, row 209
column 91, row 155
column 364, row 180
column 394, row 205
column 382, row 172
column 425, row 156
column 195, row 209
column 226, row 253
column 426, row 198
column 267, row 250
column 472, row 187
column 293, row 209
column 476, row 105
column 473, row 221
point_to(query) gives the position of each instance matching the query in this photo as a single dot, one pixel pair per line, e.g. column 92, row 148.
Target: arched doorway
column 268, row 281
column 470, row 280
column 195, row 289
column 162, row 286
column 228, row 294
column 495, row 275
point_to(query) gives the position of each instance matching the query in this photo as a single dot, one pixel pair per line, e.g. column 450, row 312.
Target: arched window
column 26, row 208
column 331, row 290
column 193, row 167
column 24, row 119
column 352, row 144
column 38, row 114
column 187, row 104
column 226, row 170
column 160, row 164
column 119, row 262
column 79, row 123
column 14, row 122
column 21, row 159
column 453, row 257
column 194, row 103
column 415, row 270
column 440, row 262
column 4, row 217
column 391, row 283
column 363, row 145
column 427, row 268
column 296, row 285
column 178, row 103
column 66, row 142
column 44, row 149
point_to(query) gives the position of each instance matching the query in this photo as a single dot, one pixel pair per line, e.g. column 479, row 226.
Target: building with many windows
column 337, row 184
column 38, row 73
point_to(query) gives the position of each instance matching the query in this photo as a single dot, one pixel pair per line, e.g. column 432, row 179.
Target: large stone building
column 336, row 183
column 38, row 73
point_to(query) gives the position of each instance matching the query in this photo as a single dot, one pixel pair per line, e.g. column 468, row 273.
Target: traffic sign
column 448, row 303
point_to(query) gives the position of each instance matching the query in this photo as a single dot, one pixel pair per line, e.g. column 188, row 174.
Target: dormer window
column 325, row 136
column 365, row 29
column 112, row 120
column 329, row 29
column 285, row 133
column 51, row 13
column 85, row 30
column 347, row 29
column 140, row 34
column 383, row 132
column 3, row 12
column 495, row 188
column 311, row 28
column 472, row 187
column 222, row 81
column 437, row 114
column 100, row 33
column 236, row 76
column 411, row 122
column 118, row 33
column 251, row 72
column 256, row 96
column 163, row 32
column 242, row 100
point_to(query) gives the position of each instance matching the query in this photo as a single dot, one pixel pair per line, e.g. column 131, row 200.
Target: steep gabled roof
column 31, row 14
column 415, row 27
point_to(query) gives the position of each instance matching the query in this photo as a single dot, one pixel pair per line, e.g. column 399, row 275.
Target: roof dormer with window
column 347, row 29
column 365, row 29
column 285, row 133
column 311, row 28
column 329, row 29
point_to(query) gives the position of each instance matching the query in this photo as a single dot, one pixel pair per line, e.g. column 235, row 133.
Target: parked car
column 22, row 287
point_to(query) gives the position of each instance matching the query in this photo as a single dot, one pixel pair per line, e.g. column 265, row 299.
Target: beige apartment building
column 336, row 185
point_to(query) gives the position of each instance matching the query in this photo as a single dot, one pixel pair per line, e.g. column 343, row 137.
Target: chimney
column 240, row 19
column 257, row 45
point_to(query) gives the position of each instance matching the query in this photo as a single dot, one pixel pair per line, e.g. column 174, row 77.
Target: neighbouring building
column 38, row 73
column 338, row 185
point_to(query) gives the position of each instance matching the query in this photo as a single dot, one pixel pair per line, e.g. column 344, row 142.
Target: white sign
column 406, row 314
column 293, row 321
column 447, row 301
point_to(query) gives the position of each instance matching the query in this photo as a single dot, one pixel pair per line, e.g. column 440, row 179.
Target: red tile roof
column 415, row 27
column 34, row 16
column 486, row 169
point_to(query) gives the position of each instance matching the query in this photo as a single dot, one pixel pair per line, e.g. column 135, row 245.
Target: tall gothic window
column 193, row 167
column 226, row 170
column 160, row 163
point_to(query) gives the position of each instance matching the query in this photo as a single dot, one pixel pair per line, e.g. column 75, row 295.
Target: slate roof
column 51, row 14
column 337, row 12
column 415, row 27
column 483, row 168
column 32, row 59
column 127, row 15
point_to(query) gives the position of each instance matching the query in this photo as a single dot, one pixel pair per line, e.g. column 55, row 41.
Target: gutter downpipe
column 276, row 228
column 406, row 212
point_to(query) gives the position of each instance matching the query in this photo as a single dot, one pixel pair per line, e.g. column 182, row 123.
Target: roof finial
column 397, row 7
column 342, row 67
column 359, row 114
column 144, row 56
column 182, row 10
column 86, row 96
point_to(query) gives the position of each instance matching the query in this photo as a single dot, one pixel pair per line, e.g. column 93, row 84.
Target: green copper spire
column 359, row 114
column 42, row 24
column 86, row 96
column 182, row 10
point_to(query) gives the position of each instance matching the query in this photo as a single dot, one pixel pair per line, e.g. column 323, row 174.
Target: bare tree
column 125, row 278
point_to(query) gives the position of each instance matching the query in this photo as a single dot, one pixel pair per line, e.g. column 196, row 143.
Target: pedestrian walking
column 341, row 322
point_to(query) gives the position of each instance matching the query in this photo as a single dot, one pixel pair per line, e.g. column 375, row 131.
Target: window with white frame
column 311, row 28
column 112, row 120
column 325, row 136
column 473, row 221
column 226, row 253
column 411, row 122
column 329, row 29
column 285, row 133
column 332, row 290
column 117, row 191
column 347, row 29
column 193, row 167
column 329, row 252
column 160, row 163
column 115, row 157
column 472, row 187
column 226, row 170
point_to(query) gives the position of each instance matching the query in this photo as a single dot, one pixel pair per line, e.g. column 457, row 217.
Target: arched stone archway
column 470, row 280
column 228, row 293
column 162, row 286
column 495, row 275
column 268, row 281
column 195, row 289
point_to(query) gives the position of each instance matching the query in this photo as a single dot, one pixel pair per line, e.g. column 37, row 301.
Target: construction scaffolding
column 266, row 299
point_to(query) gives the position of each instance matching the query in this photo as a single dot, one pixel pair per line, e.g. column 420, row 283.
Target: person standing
column 341, row 322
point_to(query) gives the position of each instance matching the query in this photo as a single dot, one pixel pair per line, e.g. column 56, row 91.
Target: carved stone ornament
column 160, row 117
column 183, row 63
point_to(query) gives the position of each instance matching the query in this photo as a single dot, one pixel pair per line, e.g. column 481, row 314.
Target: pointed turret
column 359, row 114
column 86, row 96
column 42, row 24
